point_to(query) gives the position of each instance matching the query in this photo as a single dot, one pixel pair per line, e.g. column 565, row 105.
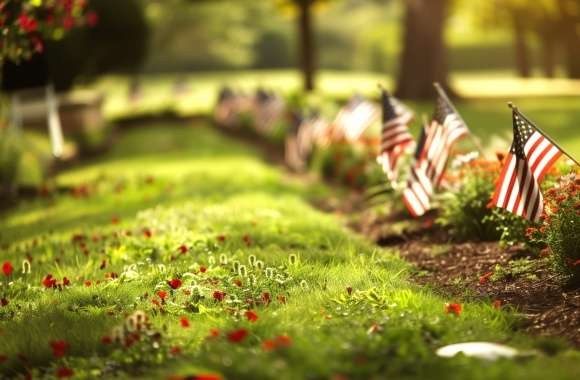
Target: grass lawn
column 176, row 202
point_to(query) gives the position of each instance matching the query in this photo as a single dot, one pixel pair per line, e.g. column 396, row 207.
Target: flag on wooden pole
column 530, row 157
column 432, row 156
column 395, row 136
column 354, row 118
column 417, row 194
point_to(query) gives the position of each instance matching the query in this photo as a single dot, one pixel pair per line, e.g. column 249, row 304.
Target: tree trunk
column 306, row 43
column 570, row 24
column 521, row 46
column 549, row 49
column 424, row 57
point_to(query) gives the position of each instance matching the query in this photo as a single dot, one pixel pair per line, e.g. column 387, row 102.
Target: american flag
column 432, row 155
column 354, row 118
column 417, row 195
column 531, row 156
column 395, row 136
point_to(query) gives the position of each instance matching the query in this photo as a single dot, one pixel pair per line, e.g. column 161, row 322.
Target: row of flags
column 518, row 191
column 531, row 155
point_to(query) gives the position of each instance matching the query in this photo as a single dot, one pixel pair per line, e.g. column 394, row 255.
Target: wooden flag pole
column 515, row 109
column 442, row 93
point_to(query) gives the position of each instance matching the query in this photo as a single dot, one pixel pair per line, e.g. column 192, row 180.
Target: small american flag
column 395, row 136
column 354, row 118
column 531, row 156
column 432, row 155
column 417, row 195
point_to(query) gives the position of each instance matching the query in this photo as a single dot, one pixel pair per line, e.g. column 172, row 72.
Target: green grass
column 188, row 186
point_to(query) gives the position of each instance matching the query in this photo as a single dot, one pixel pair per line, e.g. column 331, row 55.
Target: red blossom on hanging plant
column 237, row 336
column 175, row 283
column 7, row 268
column 92, row 19
column 183, row 249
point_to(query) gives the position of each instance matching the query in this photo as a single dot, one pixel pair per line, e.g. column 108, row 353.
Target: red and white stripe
column 395, row 141
column 417, row 195
column 518, row 190
column 354, row 120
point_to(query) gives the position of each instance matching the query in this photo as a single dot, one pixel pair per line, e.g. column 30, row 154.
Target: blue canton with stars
column 522, row 132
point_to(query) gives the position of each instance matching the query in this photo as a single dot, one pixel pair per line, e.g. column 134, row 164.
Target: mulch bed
column 455, row 270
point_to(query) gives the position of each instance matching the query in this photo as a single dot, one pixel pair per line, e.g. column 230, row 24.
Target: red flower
column 68, row 23
column 247, row 240
column 252, row 317
column 27, row 24
column 202, row 269
column 219, row 295
column 237, row 336
column 238, row 283
column 49, row 282
column 266, row 297
column 7, row 268
column 497, row 304
column 175, row 350
column 453, row 308
column 269, row 345
column 221, row 238
column 349, row 290
column 106, row 340
column 207, row 377
column 92, row 19
column 184, row 322
column 281, row 298
column 214, row 333
column 284, row 340
column 162, row 294
column 483, row 279
column 147, row 233
column 88, row 283
column 175, row 283
column 64, row 372
column 183, row 249
column 4, row 302
column 59, row 348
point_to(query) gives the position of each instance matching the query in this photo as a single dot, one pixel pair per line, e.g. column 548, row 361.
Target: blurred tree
column 305, row 21
column 423, row 60
column 569, row 11
column 554, row 23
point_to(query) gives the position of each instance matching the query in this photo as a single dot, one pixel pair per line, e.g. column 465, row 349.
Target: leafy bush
column 560, row 229
column 467, row 211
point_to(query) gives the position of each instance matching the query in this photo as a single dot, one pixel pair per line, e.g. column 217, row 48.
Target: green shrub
column 560, row 229
column 467, row 211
